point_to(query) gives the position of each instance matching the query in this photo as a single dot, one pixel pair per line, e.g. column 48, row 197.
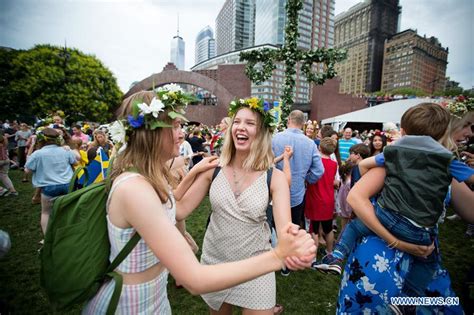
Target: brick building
column 412, row 61
column 362, row 31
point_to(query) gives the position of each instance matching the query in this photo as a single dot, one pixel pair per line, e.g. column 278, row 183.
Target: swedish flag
column 97, row 168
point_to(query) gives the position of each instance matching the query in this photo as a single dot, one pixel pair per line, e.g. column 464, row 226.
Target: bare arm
column 282, row 215
column 188, row 180
column 139, row 205
column 287, row 154
column 359, row 200
column 366, row 164
column 194, row 194
column 462, row 199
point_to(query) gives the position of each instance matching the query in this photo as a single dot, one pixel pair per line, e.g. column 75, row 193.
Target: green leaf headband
column 269, row 115
column 169, row 97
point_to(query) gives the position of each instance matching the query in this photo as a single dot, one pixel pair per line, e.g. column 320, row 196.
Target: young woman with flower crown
column 377, row 142
column 239, row 197
column 140, row 201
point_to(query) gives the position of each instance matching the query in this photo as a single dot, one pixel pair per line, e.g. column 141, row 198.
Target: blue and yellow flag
column 97, row 168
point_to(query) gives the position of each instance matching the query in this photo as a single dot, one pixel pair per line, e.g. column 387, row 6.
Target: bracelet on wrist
column 394, row 244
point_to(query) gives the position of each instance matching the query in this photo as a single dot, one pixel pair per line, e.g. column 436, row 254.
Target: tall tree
column 48, row 78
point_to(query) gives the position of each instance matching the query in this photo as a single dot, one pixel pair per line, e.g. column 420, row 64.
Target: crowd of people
column 389, row 189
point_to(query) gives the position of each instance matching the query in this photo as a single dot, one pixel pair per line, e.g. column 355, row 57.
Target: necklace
column 237, row 183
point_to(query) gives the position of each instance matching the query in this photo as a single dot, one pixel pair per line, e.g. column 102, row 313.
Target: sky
column 132, row 37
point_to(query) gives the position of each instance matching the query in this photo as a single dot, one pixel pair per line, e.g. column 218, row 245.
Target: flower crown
column 460, row 106
column 169, row 97
column 41, row 137
column 269, row 115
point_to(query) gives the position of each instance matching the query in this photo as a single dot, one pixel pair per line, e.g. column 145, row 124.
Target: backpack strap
column 216, row 172
column 269, row 211
column 269, row 182
column 116, row 276
column 214, row 175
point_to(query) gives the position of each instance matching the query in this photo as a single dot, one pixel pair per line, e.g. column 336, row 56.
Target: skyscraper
column 177, row 50
column 205, row 47
column 412, row 61
column 235, row 25
column 316, row 30
column 362, row 31
column 315, row 23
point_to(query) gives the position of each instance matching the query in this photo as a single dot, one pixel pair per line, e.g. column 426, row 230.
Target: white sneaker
column 453, row 217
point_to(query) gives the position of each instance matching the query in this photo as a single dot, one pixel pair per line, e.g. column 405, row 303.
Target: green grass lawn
column 303, row 292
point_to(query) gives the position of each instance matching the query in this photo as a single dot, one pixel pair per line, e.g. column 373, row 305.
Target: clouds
column 132, row 37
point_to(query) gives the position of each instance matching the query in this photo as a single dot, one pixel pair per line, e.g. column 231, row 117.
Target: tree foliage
column 48, row 78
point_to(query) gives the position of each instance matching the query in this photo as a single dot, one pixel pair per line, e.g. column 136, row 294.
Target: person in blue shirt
column 52, row 170
column 419, row 172
column 305, row 165
column 346, row 143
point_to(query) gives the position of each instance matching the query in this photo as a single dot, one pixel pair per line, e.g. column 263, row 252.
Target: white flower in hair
column 172, row 87
column 117, row 132
column 155, row 107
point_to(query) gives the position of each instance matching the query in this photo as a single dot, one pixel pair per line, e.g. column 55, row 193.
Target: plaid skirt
column 144, row 298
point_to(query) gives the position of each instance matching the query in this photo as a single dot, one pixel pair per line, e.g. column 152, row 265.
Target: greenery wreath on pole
column 262, row 62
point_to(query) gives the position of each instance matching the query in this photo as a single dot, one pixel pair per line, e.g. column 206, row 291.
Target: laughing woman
column 239, row 196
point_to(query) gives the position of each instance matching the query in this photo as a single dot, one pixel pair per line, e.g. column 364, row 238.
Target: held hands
column 295, row 246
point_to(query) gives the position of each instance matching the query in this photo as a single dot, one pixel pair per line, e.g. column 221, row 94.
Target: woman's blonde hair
column 144, row 149
column 96, row 132
column 315, row 128
column 260, row 157
column 455, row 125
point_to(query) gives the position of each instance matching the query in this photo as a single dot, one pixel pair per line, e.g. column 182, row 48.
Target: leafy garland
column 266, row 58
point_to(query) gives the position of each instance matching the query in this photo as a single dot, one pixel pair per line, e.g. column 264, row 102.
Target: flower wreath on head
column 378, row 133
column 41, row 137
column 169, row 97
column 258, row 105
column 460, row 106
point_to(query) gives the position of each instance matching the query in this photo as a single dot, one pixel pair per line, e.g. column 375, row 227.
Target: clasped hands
column 295, row 247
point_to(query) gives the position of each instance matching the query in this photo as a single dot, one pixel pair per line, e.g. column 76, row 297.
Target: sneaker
column 3, row 192
column 403, row 309
column 285, row 272
column 329, row 264
column 11, row 193
column 453, row 217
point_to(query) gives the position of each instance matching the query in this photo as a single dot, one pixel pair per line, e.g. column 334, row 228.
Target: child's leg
column 328, row 235
column 344, row 222
column 353, row 232
column 315, row 233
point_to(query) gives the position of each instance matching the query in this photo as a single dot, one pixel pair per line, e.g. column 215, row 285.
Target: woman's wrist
column 278, row 258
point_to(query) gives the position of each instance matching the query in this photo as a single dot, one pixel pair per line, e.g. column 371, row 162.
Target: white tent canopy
column 386, row 112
